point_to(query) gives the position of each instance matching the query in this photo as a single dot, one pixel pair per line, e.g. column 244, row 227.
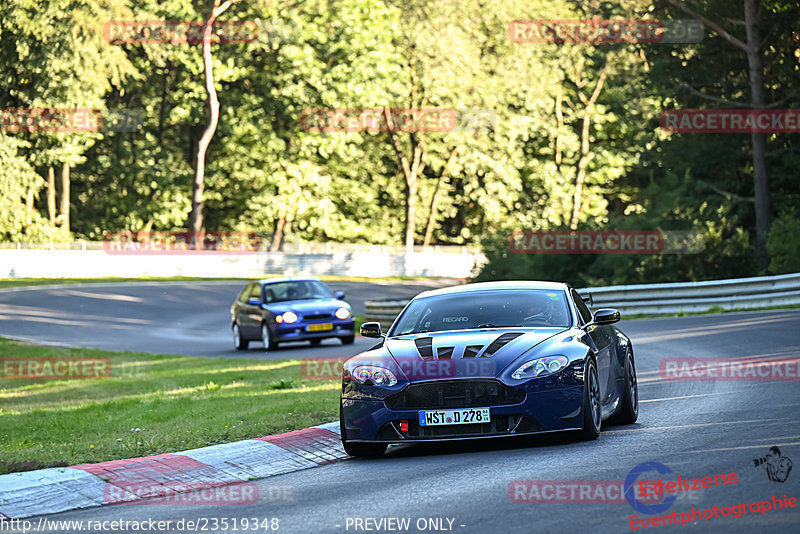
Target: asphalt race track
column 190, row 318
column 695, row 428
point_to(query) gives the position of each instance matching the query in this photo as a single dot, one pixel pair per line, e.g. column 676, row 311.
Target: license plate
column 320, row 327
column 454, row 417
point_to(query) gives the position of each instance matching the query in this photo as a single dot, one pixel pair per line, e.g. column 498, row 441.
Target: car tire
column 315, row 342
column 359, row 450
column 629, row 407
column 266, row 337
column 592, row 413
column 238, row 341
column 348, row 340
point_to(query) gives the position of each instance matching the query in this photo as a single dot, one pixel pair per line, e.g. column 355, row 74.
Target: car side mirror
column 339, row 295
column 371, row 330
column 606, row 316
column 254, row 302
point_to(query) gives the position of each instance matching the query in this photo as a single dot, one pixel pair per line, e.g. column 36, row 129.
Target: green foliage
column 783, row 244
column 265, row 172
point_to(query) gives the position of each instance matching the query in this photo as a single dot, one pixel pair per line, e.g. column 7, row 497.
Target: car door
column 250, row 314
column 601, row 338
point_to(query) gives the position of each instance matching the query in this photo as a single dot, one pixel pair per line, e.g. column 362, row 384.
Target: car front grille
column 454, row 394
column 316, row 316
column 500, row 425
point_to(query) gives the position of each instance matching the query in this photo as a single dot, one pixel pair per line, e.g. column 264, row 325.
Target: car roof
column 493, row 286
column 264, row 281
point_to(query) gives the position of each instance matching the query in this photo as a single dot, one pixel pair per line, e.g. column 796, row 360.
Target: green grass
column 19, row 282
column 152, row 405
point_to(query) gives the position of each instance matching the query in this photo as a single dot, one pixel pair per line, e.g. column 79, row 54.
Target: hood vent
column 500, row 342
column 444, row 353
column 472, row 350
column 425, row 347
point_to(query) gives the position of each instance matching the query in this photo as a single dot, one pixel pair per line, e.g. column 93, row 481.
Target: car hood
column 464, row 353
column 308, row 306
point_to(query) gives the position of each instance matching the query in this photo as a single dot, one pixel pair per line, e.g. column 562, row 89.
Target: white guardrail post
column 669, row 298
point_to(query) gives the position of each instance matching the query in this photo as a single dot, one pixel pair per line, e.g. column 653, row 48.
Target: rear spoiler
column 587, row 298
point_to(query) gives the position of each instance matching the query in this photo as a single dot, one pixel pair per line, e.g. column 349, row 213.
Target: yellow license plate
column 320, row 327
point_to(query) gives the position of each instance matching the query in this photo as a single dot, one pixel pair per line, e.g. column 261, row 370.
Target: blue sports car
column 488, row 360
column 275, row 310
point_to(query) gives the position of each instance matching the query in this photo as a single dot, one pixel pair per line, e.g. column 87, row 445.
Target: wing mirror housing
column 606, row 316
column 372, row 329
column 254, row 302
column 339, row 295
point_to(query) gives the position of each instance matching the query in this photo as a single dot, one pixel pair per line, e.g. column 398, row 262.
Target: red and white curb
column 49, row 491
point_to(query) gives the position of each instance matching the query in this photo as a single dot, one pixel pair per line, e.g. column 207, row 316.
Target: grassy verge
column 151, row 405
column 18, row 282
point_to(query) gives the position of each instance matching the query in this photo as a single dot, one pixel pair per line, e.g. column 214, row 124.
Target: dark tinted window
column 511, row 307
column 255, row 292
column 583, row 309
column 296, row 290
column 243, row 296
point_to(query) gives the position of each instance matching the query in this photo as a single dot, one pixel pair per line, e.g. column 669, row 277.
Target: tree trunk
column 64, row 216
column 435, row 198
column 755, row 68
column 580, row 176
column 29, row 207
column 411, row 171
column 411, row 212
column 277, row 237
column 760, row 174
column 198, row 185
column 51, row 195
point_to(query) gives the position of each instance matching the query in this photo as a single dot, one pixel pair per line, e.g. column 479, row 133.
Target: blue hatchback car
column 277, row 310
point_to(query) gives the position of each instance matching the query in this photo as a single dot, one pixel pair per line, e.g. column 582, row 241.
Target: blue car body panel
column 473, row 368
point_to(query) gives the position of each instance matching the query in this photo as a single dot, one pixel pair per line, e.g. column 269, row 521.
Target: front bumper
column 549, row 405
column 299, row 331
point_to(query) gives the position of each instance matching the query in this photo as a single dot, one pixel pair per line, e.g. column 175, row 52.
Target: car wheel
column 315, row 342
column 266, row 337
column 359, row 450
column 348, row 340
column 239, row 342
column 592, row 415
column 629, row 409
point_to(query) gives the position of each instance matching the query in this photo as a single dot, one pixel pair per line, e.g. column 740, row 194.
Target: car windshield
column 485, row 309
column 296, row 290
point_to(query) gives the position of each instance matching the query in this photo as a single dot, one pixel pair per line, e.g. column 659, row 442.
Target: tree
column 752, row 47
column 198, row 185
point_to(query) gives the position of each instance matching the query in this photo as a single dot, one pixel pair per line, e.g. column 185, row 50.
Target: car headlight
column 377, row 375
column 541, row 367
column 288, row 317
column 342, row 313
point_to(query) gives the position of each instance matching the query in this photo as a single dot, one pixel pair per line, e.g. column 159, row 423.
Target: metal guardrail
column 669, row 298
column 384, row 311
